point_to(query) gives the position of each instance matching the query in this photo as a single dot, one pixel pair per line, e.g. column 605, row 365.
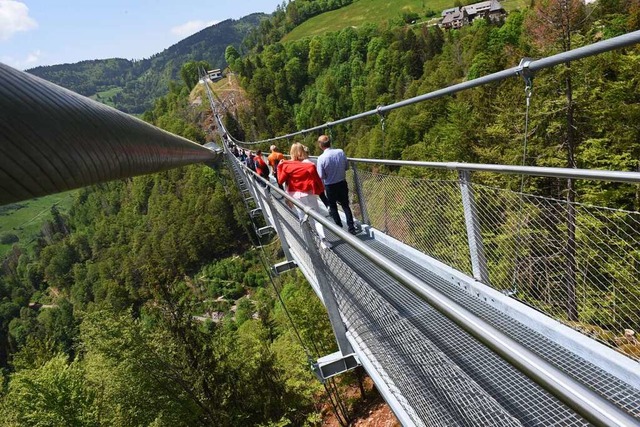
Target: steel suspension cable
column 528, row 90
column 53, row 140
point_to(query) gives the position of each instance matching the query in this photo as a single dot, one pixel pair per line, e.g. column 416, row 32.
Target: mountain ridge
column 133, row 85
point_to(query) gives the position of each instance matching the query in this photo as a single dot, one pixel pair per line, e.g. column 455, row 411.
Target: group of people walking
column 308, row 182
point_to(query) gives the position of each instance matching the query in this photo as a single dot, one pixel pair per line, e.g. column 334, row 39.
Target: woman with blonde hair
column 303, row 183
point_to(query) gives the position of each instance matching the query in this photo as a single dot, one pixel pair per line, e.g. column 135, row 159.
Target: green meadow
column 25, row 219
column 367, row 11
column 106, row 96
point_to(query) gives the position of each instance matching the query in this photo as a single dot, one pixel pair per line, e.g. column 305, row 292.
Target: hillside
column 378, row 11
column 22, row 222
column 132, row 86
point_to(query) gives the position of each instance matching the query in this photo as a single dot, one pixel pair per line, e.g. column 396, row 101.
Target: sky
column 47, row 32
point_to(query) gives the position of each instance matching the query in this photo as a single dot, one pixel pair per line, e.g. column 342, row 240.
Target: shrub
column 410, row 17
column 8, row 238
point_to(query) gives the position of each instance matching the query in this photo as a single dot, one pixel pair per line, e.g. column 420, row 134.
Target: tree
column 244, row 310
column 553, row 23
column 231, row 55
column 190, row 72
column 53, row 394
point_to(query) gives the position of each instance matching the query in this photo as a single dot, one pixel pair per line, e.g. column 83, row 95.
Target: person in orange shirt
column 274, row 159
column 303, row 184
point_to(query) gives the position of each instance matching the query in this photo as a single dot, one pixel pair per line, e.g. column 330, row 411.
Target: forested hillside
column 147, row 303
column 133, row 85
column 304, row 83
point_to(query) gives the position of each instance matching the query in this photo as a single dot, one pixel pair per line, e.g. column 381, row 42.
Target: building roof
column 448, row 11
column 474, row 8
column 483, row 6
column 495, row 6
column 451, row 17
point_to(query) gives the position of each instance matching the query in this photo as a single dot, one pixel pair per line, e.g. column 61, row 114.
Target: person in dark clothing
column 332, row 167
column 251, row 163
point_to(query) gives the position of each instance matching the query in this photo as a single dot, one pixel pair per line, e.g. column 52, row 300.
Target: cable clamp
column 525, row 72
column 527, row 75
column 381, row 114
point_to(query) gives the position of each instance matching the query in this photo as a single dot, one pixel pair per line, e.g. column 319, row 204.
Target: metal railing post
column 363, row 206
column 262, row 195
column 472, row 222
column 276, row 223
column 339, row 329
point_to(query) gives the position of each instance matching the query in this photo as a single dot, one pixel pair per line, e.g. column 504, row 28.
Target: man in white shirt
column 332, row 167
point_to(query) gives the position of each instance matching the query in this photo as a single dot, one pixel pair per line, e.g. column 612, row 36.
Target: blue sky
column 46, row 32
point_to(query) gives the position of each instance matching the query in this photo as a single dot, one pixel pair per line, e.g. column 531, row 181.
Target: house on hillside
column 491, row 10
column 214, row 74
column 456, row 17
column 453, row 18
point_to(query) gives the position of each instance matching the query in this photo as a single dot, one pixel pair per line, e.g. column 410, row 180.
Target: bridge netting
column 525, row 244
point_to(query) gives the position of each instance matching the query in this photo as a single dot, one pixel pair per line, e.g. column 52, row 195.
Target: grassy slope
column 365, row 11
column 106, row 96
column 25, row 219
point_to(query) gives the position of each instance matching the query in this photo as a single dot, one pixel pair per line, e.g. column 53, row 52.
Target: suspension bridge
column 453, row 298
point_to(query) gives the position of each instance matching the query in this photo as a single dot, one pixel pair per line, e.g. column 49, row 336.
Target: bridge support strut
column 476, row 248
column 344, row 359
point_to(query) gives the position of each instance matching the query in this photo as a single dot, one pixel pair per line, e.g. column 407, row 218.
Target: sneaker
column 324, row 244
column 355, row 230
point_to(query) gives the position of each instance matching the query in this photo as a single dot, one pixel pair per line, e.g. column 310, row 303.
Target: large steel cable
column 53, row 140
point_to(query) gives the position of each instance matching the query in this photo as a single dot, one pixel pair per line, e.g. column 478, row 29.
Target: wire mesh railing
column 525, row 238
column 425, row 214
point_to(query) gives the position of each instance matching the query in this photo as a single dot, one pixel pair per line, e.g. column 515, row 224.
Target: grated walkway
column 442, row 374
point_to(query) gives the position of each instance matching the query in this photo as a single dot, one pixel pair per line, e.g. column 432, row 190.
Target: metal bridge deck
column 438, row 371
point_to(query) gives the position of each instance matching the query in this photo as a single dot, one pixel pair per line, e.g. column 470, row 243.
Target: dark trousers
column 339, row 193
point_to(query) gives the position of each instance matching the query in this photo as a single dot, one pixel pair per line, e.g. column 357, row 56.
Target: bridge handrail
column 553, row 172
column 525, row 68
column 580, row 398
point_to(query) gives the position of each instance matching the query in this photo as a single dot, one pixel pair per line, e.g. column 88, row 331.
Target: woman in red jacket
column 303, row 184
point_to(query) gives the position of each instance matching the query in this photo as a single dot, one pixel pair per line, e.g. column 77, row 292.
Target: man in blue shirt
column 332, row 167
